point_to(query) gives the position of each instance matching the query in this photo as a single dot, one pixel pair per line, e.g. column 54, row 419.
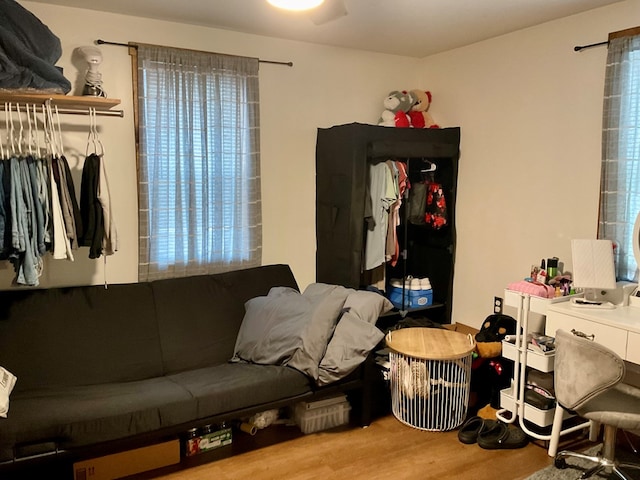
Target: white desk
column 617, row 329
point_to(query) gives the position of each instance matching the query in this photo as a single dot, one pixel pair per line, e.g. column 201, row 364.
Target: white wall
column 528, row 105
column 530, row 109
column 326, row 86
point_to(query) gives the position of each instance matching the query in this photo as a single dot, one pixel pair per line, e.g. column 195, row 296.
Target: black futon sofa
column 101, row 370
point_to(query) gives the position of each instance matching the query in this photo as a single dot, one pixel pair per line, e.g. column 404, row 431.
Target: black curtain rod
column 104, row 42
column 577, row 48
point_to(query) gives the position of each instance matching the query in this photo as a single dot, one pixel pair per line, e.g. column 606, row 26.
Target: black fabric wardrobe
column 343, row 155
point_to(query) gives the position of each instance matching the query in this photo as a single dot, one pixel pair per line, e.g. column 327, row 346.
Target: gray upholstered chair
column 587, row 381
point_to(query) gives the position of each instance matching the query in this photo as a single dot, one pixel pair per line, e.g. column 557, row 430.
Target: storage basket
column 430, row 377
column 412, row 298
column 316, row 419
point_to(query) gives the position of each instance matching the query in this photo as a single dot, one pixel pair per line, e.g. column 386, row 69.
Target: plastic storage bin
column 412, row 298
column 312, row 418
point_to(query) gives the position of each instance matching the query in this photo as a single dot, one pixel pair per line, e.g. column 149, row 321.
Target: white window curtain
column 620, row 187
column 199, row 165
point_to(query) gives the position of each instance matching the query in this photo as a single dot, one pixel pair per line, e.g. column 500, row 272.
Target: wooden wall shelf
column 72, row 104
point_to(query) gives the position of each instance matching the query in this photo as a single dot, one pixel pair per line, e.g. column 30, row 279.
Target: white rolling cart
column 512, row 399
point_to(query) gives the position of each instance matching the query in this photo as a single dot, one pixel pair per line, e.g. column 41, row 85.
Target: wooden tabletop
column 430, row 343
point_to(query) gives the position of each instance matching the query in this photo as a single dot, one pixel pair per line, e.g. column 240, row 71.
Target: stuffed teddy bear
column 494, row 329
column 397, row 105
column 490, row 373
column 419, row 115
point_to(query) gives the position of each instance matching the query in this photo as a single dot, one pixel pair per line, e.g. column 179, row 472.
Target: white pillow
column 7, row 381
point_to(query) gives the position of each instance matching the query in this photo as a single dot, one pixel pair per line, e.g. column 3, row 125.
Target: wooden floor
column 385, row 450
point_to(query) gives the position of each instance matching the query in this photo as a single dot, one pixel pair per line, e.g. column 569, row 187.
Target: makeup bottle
column 542, row 273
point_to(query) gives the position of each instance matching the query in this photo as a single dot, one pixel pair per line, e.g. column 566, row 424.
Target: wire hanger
column 431, row 166
column 21, row 131
column 29, row 141
column 34, row 132
column 93, row 139
column 46, row 127
column 37, row 135
column 1, row 142
column 59, row 132
column 11, row 134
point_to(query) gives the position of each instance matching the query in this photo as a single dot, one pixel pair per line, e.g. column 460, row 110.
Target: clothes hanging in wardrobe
column 417, row 203
column 436, row 206
column 427, row 204
column 343, row 157
column 387, row 184
column 402, row 185
column 382, row 194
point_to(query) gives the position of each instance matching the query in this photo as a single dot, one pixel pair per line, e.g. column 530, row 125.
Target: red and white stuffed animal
column 419, row 115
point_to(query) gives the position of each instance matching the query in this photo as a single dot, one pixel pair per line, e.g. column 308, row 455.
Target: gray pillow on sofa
column 355, row 335
column 289, row 328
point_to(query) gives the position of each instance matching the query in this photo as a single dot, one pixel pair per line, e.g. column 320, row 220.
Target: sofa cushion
column 82, row 415
column 210, row 309
column 79, row 335
column 231, row 386
column 287, row 328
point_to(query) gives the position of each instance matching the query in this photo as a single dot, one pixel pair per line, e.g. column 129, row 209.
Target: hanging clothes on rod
column 401, row 178
column 61, row 248
column 100, row 233
column 435, row 215
column 427, row 203
column 22, row 211
column 382, row 194
column 388, row 185
column 39, row 211
column 66, row 189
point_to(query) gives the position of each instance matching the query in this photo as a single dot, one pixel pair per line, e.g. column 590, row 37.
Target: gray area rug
column 576, row 467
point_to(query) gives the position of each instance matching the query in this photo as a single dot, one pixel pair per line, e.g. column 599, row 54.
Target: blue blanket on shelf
column 28, row 52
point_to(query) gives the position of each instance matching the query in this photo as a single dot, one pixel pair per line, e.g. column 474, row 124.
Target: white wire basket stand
column 430, row 377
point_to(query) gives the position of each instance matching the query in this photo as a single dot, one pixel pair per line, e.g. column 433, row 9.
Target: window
column 620, row 188
column 199, row 175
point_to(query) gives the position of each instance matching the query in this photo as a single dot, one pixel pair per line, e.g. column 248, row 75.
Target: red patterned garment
column 436, row 210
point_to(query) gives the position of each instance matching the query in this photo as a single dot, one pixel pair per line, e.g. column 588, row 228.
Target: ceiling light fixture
column 296, row 5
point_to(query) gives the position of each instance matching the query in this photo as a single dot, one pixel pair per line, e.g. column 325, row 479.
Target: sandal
column 470, row 429
column 502, row 436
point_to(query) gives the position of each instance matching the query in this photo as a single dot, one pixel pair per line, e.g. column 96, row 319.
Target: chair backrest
column 583, row 370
